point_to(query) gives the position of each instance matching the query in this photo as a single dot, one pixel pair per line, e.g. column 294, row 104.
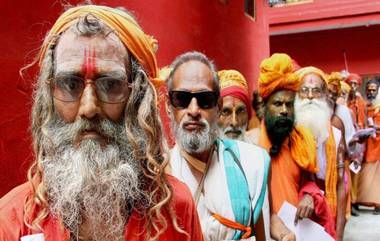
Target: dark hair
column 190, row 56
column 373, row 81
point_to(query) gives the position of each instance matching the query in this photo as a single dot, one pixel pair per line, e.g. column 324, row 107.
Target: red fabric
column 12, row 227
column 241, row 94
column 354, row 77
column 322, row 213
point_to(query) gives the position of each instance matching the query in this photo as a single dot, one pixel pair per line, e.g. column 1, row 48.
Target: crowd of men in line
column 103, row 171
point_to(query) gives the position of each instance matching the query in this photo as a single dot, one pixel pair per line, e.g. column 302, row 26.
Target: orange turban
column 276, row 73
column 335, row 78
column 233, row 83
column 141, row 46
column 311, row 70
column 353, row 77
column 346, row 88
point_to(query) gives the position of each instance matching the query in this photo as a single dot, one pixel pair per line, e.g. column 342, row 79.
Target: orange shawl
column 331, row 179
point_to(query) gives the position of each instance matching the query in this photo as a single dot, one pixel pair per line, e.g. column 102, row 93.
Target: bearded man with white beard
column 236, row 111
column 226, row 177
column 99, row 168
column 312, row 110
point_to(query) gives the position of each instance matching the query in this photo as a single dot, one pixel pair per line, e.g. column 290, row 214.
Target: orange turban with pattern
column 276, row 73
column 140, row 45
column 311, row 70
column 233, row 83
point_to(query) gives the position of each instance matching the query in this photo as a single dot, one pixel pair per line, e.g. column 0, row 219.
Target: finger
column 309, row 212
column 303, row 212
column 297, row 216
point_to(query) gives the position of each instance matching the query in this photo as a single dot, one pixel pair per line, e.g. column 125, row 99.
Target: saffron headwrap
column 140, row 45
column 335, row 78
column 276, row 73
column 346, row 88
column 311, row 70
column 352, row 77
column 233, row 83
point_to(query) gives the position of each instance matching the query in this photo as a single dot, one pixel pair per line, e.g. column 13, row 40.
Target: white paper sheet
column 305, row 230
column 33, row 237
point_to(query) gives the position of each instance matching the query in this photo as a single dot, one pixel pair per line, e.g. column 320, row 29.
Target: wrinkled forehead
column 193, row 76
column 232, row 102
column 372, row 86
column 312, row 81
column 73, row 50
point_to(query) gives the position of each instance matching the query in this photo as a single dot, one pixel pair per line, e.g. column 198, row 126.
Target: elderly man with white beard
column 236, row 111
column 99, row 168
column 227, row 178
column 313, row 111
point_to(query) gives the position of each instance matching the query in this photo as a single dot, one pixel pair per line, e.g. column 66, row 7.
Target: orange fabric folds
column 303, row 149
column 276, row 73
column 135, row 40
column 331, row 173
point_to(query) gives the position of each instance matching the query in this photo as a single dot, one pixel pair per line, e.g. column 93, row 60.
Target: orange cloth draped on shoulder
column 140, row 45
column 373, row 143
column 358, row 108
column 276, row 73
column 12, row 226
column 297, row 153
column 331, row 179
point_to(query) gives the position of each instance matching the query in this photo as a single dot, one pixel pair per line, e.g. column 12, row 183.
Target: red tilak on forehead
column 88, row 66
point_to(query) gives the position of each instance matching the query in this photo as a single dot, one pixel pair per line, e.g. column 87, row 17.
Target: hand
column 305, row 208
column 289, row 237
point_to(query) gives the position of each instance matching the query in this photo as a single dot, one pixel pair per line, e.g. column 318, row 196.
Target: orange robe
column 285, row 172
column 12, row 226
column 373, row 143
column 358, row 106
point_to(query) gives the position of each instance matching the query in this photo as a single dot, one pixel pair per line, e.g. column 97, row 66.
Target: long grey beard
column 314, row 114
column 91, row 183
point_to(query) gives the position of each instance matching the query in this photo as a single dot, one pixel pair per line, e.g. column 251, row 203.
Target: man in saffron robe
column 311, row 102
column 292, row 147
column 99, row 168
column 369, row 178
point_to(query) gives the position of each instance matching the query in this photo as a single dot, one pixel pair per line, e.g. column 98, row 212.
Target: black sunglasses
column 205, row 99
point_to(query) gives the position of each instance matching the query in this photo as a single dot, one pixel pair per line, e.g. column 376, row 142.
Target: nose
column 310, row 95
column 234, row 121
column 193, row 108
column 89, row 103
column 284, row 110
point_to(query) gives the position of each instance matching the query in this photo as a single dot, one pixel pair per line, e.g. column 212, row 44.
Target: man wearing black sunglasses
column 226, row 177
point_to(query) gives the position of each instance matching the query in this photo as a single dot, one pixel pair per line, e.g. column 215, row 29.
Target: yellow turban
column 132, row 36
column 231, row 77
column 346, row 88
column 335, row 78
column 233, row 83
column 311, row 70
column 276, row 73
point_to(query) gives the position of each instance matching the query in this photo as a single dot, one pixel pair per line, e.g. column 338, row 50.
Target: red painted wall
column 323, row 49
column 223, row 32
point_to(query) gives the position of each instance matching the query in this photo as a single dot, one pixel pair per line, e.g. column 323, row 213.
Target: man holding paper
column 369, row 179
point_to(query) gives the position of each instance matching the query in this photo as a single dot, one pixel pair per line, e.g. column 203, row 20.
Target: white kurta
column 215, row 197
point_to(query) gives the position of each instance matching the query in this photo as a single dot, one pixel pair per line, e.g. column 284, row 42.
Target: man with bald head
column 228, row 186
column 98, row 173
